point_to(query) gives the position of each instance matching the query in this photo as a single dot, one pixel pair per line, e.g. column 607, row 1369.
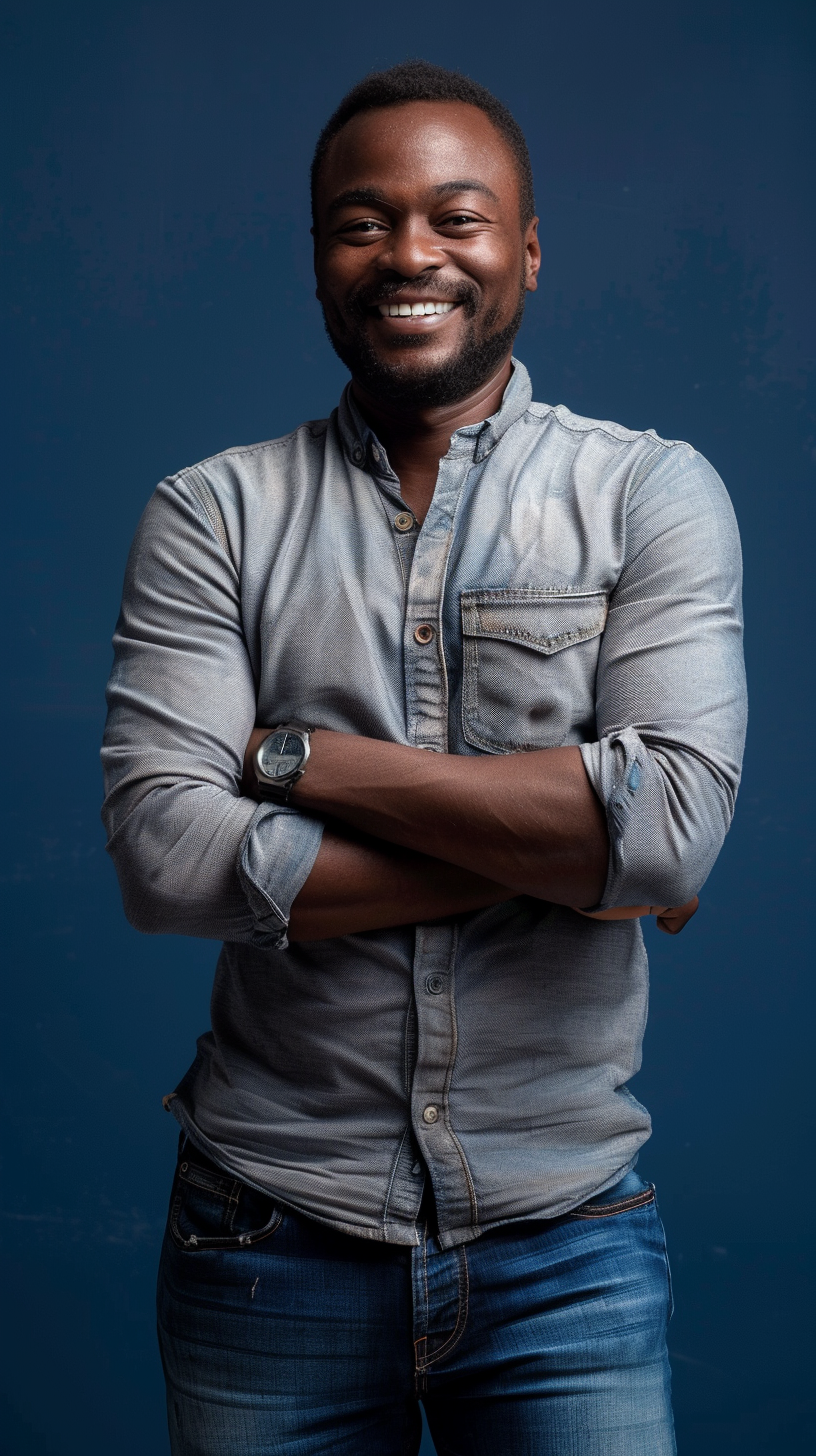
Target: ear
column 532, row 256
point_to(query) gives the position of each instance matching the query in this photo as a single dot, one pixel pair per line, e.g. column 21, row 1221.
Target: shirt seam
column 243, row 450
column 596, row 427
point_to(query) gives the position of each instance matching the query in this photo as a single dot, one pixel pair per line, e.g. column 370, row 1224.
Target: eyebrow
column 370, row 197
column 357, row 197
column 465, row 184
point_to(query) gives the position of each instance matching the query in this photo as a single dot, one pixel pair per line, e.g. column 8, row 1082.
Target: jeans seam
column 461, row 1314
column 421, row 1342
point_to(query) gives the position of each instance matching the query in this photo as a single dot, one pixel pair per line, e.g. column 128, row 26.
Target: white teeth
column 412, row 310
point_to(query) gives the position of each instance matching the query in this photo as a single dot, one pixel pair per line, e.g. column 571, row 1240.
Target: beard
column 408, row 386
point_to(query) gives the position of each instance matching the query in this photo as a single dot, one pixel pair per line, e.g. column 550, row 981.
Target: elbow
column 150, row 898
column 671, row 877
column 157, row 900
column 175, row 853
column 147, row 909
column 666, row 830
column 674, row 885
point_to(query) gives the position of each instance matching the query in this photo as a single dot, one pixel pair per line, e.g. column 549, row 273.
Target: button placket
column 426, row 693
column 440, row 1148
column 426, row 683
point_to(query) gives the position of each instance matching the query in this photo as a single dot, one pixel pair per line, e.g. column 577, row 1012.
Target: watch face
column 281, row 754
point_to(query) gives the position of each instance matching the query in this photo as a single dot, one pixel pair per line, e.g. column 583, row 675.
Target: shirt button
column 431, row 1114
column 404, row 521
column 423, row 634
column 435, row 985
column 357, row 454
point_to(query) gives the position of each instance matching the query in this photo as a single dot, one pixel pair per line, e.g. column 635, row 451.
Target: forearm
column 528, row 821
column 357, row 884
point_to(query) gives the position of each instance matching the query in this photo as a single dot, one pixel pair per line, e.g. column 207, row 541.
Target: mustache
column 362, row 299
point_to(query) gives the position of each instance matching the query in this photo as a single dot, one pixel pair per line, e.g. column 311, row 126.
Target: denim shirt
column 583, row 584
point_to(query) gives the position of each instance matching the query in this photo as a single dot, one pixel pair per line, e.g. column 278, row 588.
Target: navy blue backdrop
column 158, row 307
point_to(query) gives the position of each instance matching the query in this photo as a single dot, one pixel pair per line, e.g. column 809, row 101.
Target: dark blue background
column 158, row 307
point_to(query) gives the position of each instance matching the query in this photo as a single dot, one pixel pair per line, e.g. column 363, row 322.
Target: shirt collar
column 365, row 451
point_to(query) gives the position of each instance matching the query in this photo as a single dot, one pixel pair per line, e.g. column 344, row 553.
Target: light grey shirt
column 583, row 583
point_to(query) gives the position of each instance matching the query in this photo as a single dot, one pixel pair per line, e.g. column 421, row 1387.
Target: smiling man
column 418, row 709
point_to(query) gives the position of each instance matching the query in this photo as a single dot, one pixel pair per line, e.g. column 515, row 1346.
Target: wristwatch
column 280, row 761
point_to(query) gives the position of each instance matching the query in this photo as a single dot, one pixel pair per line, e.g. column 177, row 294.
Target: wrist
column 277, row 760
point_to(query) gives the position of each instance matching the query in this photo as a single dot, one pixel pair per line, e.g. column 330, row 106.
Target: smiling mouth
column 412, row 310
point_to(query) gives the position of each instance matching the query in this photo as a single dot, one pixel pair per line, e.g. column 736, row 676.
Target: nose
column 412, row 248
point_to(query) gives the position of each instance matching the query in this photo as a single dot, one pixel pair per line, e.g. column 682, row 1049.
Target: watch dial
column 281, row 755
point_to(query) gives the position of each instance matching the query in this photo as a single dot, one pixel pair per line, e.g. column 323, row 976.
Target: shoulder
column 641, row 462
column 241, row 462
column 228, row 487
column 221, row 494
column 579, row 430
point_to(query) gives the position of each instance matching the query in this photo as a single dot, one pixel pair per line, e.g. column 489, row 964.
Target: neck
column 416, row 440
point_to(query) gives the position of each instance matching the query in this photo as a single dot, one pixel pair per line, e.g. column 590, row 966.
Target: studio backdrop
column 158, row 307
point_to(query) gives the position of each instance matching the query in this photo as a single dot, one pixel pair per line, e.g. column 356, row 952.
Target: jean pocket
column 211, row 1209
column 609, row 1207
column 529, row 664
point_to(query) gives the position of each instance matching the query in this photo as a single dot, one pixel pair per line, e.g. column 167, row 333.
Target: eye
column 364, row 226
column 459, row 222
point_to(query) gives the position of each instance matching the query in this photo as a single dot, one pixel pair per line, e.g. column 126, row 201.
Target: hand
column 671, row 921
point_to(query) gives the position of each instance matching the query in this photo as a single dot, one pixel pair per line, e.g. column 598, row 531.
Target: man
column 499, row 647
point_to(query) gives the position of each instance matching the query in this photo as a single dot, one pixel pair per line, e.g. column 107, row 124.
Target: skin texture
column 417, row 203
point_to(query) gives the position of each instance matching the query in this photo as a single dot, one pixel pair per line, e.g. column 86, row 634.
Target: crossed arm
column 413, row 836
column 418, row 835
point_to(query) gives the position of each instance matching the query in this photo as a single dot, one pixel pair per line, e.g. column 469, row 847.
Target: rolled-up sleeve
column 193, row 856
column 671, row 699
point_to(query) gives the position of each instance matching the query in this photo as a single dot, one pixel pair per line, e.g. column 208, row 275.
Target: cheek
column 499, row 272
column 337, row 271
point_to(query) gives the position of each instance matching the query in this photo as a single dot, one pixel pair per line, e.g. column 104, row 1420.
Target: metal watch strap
column 270, row 795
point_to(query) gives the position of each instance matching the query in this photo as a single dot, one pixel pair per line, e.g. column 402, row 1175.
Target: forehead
column 417, row 146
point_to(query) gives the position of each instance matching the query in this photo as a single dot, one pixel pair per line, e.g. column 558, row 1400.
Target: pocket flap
column 545, row 620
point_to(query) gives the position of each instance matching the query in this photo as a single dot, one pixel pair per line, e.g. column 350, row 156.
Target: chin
column 416, row 375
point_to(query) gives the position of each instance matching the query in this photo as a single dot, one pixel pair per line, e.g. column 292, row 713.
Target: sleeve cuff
column 591, row 754
column 274, row 861
column 627, row 783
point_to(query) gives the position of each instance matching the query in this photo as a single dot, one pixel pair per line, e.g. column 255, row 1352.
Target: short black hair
column 422, row 81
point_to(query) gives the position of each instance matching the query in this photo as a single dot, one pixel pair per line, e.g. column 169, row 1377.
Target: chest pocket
column 529, row 667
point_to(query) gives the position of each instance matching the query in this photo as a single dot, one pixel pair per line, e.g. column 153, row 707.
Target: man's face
column 417, row 208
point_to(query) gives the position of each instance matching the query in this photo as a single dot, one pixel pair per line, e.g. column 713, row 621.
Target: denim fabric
column 583, row 585
column 540, row 1337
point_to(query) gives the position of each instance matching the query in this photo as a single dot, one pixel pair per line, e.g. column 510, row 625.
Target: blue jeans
column 279, row 1335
